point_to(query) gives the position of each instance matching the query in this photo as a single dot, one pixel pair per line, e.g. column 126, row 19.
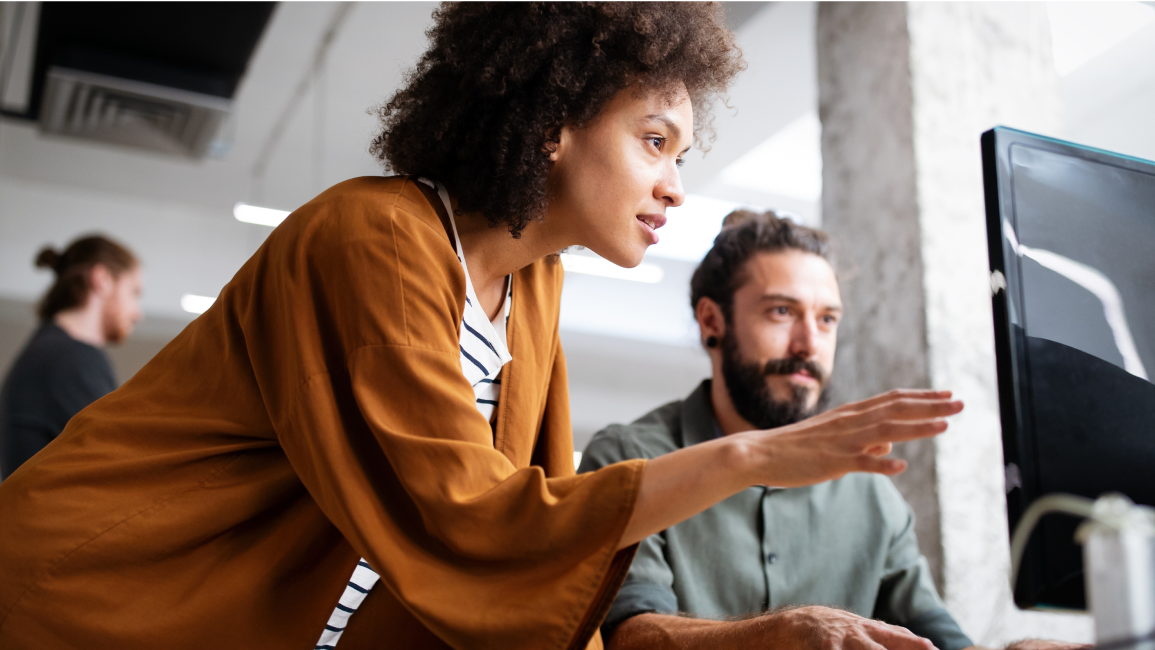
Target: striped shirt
column 484, row 353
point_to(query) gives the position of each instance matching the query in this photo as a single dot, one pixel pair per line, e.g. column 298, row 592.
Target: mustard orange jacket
column 315, row 414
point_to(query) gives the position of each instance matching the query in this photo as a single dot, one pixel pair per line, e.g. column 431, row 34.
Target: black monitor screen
column 1072, row 242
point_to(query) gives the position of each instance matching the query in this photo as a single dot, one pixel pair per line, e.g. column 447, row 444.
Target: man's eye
column 780, row 311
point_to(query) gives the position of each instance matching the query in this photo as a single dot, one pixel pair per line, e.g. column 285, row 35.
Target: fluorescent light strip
column 648, row 273
column 196, row 304
column 258, row 215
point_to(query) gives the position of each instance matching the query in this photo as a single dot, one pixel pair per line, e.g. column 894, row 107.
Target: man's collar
column 698, row 421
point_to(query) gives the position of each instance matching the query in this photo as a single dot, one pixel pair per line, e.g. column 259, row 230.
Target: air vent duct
column 133, row 113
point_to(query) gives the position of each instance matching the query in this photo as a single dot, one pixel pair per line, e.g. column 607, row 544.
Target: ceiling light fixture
column 258, row 215
column 648, row 273
column 194, row 304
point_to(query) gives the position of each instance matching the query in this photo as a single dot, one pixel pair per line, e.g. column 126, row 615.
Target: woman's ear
column 558, row 142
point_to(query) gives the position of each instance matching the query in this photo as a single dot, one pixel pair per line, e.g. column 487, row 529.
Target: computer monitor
column 1071, row 234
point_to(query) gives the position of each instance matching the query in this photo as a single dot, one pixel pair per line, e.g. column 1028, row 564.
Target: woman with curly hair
column 365, row 442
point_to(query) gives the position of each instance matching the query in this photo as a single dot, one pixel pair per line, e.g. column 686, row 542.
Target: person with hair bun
column 365, row 442
column 94, row 300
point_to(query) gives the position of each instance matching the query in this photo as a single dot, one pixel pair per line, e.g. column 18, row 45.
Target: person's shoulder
column 53, row 360
column 384, row 219
column 648, row 437
column 361, row 207
column 51, row 348
column 83, row 362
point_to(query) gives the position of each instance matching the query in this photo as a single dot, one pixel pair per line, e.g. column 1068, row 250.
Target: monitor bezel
column 1012, row 363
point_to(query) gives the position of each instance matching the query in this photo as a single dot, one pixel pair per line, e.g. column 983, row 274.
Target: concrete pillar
column 905, row 90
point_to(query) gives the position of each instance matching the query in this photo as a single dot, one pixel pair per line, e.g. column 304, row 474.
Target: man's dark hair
column 745, row 233
column 485, row 104
column 72, row 267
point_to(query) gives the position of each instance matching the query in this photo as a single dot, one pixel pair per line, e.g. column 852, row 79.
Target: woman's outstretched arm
column 850, row 438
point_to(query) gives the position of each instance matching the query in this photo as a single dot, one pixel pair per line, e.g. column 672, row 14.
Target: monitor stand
column 1119, row 559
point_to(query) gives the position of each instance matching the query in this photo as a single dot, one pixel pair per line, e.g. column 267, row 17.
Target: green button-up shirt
column 848, row 543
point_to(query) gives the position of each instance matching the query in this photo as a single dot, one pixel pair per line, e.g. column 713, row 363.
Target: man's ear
column 100, row 280
column 711, row 322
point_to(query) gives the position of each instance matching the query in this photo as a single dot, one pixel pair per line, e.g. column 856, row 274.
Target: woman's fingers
column 879, row 450
column 907, row 409
column 898, row 394
column 887, row 466
column 888, row 432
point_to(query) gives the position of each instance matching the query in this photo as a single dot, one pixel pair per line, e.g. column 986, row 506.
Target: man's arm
column 907, row 595
column 799, row 628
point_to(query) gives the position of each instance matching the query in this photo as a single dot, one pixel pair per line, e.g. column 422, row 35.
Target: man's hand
column 801, row 628
column 825, row 628
column 1041, row 644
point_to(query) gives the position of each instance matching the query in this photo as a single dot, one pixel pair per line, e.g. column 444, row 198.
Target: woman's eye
column 680, row 162
column 657, row 142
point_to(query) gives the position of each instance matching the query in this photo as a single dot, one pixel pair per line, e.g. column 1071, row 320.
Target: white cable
column 1065, row 503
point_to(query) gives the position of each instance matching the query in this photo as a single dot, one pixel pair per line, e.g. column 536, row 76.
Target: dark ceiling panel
column 198, row 46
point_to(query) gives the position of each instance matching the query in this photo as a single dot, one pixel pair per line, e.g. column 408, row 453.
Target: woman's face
column 612, row 180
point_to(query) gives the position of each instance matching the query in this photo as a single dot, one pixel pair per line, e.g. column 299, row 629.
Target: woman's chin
column 625, row 257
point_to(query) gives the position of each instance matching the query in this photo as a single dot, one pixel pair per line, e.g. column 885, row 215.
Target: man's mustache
column 791, row 365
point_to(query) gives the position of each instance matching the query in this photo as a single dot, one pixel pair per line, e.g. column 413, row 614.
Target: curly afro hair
column 483, row 105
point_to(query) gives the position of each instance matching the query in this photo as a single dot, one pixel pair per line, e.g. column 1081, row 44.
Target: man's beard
column 113, row 327
column 752, row 398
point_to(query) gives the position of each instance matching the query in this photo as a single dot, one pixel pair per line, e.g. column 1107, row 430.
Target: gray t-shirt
column 848, row 543
column 53, row 379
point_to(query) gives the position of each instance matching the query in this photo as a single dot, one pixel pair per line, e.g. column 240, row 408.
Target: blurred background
column 181, row 111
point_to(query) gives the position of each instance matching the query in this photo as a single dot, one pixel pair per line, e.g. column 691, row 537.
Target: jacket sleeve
column 649, row 585
column 383, row 432
column 907, row 595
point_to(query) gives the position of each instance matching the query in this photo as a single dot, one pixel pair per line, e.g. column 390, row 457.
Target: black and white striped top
column 483, row 355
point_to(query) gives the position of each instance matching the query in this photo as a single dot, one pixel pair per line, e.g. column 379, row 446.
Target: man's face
column 778, row 349
column 122, row 306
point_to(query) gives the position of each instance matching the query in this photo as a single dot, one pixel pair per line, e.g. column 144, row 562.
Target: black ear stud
column 711, row 341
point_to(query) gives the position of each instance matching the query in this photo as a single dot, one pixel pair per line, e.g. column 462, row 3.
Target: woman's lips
column 650, row 223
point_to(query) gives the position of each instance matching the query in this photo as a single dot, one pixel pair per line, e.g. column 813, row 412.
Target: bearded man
column 770, row 567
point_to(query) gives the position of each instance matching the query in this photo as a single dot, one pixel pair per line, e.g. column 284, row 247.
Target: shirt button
column 772, row 558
